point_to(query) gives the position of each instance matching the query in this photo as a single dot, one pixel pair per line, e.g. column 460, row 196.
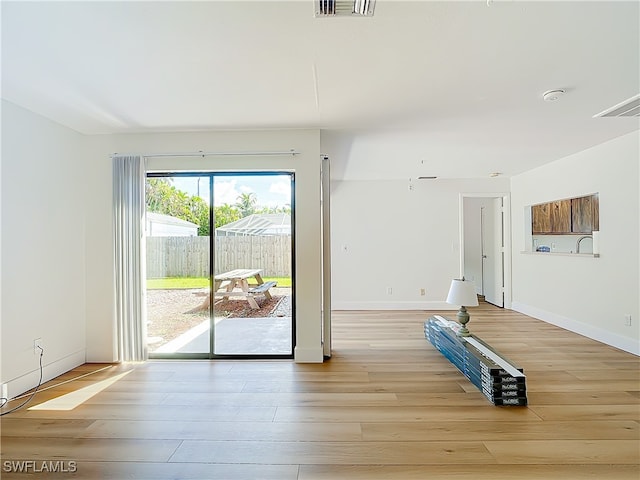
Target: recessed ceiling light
column 495, row 174
column 552, row 95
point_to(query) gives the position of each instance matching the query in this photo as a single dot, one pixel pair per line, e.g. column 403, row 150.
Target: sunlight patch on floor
column 71, row 400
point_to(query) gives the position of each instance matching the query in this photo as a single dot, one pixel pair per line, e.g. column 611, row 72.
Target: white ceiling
column 421, row 88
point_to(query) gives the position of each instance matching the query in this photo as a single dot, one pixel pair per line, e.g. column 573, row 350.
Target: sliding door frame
column 211, row 355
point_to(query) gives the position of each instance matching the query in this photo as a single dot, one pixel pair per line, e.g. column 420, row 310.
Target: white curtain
column 128, row 222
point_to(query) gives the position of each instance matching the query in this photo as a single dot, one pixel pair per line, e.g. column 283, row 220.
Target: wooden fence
column 189, row 256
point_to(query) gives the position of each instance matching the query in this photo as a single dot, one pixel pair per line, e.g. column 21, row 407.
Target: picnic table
column 235, row 283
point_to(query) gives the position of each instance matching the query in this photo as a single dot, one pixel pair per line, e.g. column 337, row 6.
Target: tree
column 246, row 203
column 200, row 213
column 226, row 214
column 157, row 190
column 162, row 197
column 285, row 209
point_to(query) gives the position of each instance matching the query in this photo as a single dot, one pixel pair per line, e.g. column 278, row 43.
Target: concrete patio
column 236, row 336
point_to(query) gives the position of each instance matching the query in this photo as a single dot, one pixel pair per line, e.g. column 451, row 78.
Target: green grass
column 200, row 282
column 177, row 282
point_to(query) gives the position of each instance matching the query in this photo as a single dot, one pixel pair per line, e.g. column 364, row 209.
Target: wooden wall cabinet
column 574, row 215
column 585, row 214
column 560, row 216
column 540, row 218
column 552, row 217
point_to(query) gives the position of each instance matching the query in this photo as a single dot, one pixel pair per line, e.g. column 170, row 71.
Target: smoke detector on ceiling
column 552, row 95
column 345, row 8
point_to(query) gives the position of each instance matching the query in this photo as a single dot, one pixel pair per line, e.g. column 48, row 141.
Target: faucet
column 580, row 240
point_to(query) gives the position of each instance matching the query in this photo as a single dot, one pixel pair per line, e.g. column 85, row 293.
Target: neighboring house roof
column 160, row 225
column 258, row 224
column 169, row 220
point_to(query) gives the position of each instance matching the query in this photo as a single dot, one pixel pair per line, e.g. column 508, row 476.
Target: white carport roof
column 259, row 224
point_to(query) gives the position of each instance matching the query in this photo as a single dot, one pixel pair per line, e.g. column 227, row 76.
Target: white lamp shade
column 462, row 293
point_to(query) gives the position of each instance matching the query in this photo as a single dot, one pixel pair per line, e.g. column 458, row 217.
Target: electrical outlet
column 627, row 320
column 5, row 391
column 38, row 347
column 423, row 291
column 389, row 291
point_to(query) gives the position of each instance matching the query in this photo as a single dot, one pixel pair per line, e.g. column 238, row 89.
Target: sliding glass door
column 177, row 264
column 219, row 251
column 253, row 264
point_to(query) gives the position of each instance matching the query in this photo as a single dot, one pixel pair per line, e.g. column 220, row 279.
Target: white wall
column 44, row 219
column 399, row 238
column 587, row 295
column 100, row 312
column 307, row 203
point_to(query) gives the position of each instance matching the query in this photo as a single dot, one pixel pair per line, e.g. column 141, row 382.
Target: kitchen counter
column 563, row 254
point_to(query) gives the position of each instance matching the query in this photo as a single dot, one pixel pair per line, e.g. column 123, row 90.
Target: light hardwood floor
column 386, row 406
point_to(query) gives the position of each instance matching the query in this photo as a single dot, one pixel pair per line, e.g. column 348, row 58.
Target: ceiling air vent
column 344, row 8
column 628, row 108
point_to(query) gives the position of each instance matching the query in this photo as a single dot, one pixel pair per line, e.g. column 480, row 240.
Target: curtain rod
column 214, row 154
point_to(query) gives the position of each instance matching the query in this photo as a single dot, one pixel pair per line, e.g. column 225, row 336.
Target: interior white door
column 493, row 253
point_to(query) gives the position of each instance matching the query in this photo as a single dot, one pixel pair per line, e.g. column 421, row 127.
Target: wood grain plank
column 156, row 412
column 588, row 412
column 436, row 386
column 182, row 471
column 223, row 431
column 405, row 414
column 88, row 449
column 283, row 399
column 468, row 472
column 483, row 430
column 35, row 427
column 335, row 453
column 582, row 398
column 624, row 452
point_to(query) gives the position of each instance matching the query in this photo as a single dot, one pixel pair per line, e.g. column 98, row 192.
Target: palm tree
column 246, row 203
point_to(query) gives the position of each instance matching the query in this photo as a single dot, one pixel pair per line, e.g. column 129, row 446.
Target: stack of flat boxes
column 499, row 380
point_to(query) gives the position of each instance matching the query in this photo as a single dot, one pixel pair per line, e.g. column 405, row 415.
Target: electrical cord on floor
column 32, row 394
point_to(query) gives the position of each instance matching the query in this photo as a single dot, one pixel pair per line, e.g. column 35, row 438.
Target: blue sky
column 270, row 190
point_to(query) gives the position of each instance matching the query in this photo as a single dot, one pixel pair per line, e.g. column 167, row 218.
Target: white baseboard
column 595, row 333
column 29, row 380
column 392, row 306
column 308, row 355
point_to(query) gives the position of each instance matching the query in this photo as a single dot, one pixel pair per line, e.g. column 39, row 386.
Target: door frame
column 325, row 195
column 506, row 229
column 211, row 355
